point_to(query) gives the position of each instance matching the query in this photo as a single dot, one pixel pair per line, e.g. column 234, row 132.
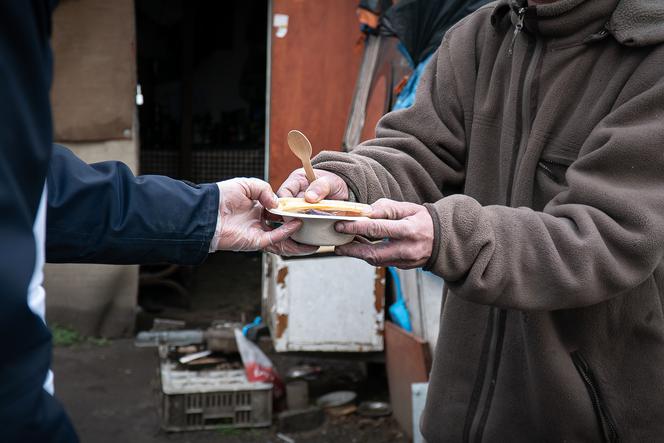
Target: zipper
column 547, row 171
column 526, row 117
column 521, row 14
column 544, row 166
column 483, row 366
column 606, row 424
column 600, row 35
column 497, row 328
column 485, row 383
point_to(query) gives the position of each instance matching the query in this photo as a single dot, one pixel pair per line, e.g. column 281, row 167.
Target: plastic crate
column 212, row 399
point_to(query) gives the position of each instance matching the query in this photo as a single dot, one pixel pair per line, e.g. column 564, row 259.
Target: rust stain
column 282, row 324
column 281, row 276
column 379, row 328
column 379, row 289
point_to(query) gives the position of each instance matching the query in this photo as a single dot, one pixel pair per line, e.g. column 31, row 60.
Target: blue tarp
column 407, row 95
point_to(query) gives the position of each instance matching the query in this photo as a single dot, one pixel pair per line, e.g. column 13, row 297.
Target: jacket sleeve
column 419, row 153
column 602, row 236
column 102, row 213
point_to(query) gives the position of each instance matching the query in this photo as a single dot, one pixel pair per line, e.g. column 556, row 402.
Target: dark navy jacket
column 101, row 213
column 96, row 213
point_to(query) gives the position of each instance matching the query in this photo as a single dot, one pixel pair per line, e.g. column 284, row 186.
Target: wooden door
column 313, row 65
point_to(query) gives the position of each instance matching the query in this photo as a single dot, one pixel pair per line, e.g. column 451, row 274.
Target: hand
column 241, row 226
column 289, row 248
column 327, row 185
column 405, row 231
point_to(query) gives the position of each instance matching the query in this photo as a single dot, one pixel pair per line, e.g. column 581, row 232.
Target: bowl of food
column 318, row 219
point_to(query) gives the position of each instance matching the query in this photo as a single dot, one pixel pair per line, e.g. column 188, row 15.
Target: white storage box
column 323, row 303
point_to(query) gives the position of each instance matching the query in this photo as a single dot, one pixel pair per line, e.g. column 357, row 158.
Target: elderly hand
column 327, row 185
column 241, row 226
column 405, row 231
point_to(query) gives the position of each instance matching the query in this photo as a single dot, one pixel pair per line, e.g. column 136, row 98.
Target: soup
column 330, row 212
column 324, row 208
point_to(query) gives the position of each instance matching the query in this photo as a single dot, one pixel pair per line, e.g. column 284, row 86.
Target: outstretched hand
column 404, row 231
column 241, row 224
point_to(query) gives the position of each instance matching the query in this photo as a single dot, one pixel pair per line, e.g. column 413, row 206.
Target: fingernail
column 340, row 226
column 311, row 195
column 275, row 198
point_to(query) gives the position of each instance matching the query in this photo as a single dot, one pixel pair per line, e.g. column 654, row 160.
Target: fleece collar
column 631, row 22
column 638, row 22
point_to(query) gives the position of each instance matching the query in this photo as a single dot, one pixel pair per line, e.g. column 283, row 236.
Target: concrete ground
column 110, row 391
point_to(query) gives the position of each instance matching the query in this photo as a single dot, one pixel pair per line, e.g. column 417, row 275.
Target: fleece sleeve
column 600, row 237
column 418, row 154
column 102, row 213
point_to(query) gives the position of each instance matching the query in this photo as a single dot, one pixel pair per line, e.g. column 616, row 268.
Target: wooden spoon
column 301, row 147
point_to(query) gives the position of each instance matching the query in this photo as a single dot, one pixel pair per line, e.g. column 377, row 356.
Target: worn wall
column 95, row 70
column 97, row 300
column 93, row 111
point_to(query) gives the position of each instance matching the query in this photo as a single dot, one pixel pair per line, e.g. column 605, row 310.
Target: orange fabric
column 402, row 83
column 367, row 18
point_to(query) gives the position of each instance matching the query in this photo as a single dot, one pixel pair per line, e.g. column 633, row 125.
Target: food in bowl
column 318, row 219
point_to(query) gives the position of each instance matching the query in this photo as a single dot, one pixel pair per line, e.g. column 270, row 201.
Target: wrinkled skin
column 326, row 186
column 404, row 232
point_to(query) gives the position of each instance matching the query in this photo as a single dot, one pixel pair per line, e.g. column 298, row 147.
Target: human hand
column 327, row 185
column 241, row 226
column 405, row 231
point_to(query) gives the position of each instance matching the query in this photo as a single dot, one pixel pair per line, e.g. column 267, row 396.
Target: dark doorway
column 202, row 73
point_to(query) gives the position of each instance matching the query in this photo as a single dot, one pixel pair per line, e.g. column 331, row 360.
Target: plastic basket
column 213, row 399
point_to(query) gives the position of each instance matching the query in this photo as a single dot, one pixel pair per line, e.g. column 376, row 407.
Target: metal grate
column 208, row 165
column 242, row 417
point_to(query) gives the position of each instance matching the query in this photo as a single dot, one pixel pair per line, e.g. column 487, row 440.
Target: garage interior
column 202, row 77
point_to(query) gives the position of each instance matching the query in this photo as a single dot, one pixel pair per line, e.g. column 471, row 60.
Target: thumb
column 317, row 190
column 256, row 189
column 327, row 185
column 279, row 234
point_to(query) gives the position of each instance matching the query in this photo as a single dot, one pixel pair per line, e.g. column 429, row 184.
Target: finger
column 267, row 217
column 290, row 247
column 328, row 185
column 318, row 190
column 256, row 189
column 377, row 254
column 295, row 184
column 376, row 229
column 279, row 234
column 393, row 210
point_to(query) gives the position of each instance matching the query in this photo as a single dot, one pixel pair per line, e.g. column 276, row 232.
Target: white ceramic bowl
column 318, row 230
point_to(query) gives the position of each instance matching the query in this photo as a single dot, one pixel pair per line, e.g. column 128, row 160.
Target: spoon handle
column 308, row 170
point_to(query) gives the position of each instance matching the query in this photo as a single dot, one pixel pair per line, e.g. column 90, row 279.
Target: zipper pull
column 592, row 38
column 521, row 13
